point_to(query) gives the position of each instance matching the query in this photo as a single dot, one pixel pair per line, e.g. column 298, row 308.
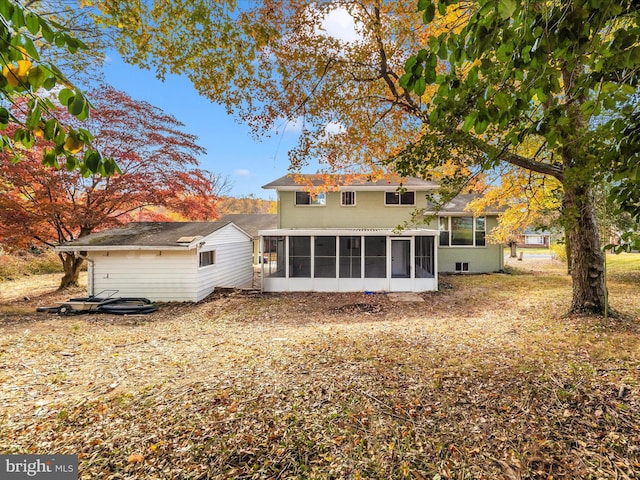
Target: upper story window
column 397, row 198
column 306, row 198
column 462, row 231
column 348, row 199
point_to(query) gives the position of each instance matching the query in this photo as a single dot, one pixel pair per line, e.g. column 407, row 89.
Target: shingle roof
column 289, row 181
column 459, row 204
column 252, row 222
column 149, row 234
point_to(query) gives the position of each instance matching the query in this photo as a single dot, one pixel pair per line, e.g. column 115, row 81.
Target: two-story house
column 346, row 238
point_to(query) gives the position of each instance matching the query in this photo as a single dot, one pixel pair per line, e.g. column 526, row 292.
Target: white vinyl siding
column 157, row 275
column 176, row 275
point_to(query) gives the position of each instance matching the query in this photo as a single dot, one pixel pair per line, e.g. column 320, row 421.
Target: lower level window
column 207, row 258
column 462, row 266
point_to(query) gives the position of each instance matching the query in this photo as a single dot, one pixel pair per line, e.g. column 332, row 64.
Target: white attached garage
column 166, row 261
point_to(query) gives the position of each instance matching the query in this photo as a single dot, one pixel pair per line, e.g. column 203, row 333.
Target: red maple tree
column 159, row 169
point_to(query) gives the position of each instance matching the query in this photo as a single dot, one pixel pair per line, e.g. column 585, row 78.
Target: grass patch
column 13, row 267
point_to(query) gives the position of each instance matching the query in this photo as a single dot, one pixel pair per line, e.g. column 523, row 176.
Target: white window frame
column 464, row 267
column 449, row 231
column 317, row 200
column 400, row 195
column 351, row 195
column 201, row 256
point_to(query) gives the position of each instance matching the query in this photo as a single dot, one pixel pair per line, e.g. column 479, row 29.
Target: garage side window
column 207, row 258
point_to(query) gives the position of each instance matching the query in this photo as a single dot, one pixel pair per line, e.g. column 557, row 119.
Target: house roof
column 288, row 182
column 141, row 235
column 459, row 205
column 252, row 222
column 349, row 232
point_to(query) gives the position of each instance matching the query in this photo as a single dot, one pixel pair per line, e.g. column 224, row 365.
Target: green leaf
column 506, row 8
column 50, row 159
column 410, row 63
column 47, row 33
column 404, row 80
column 71, row 163
column 430, row 74
column 33, row 23
column 31, row 49
column 36, row 77
column 429, row 13
column 469, row 122
column 501, row 100
column 4, row 118
column 60, row 40
column 17, row 18
column 481, row 125
column 422, row 4
column 92, row 160
column 50, row 129
column 110, row 166
column 66, row 96
column 49, row 83
column 505, row 51
column 421, row 86
column 6, row 9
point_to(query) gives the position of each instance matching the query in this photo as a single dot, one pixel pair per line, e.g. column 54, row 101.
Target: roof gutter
column 112, row 248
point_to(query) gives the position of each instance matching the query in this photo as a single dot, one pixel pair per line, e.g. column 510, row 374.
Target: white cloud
column 288, row 126
column 340, row 24
column 242, row 172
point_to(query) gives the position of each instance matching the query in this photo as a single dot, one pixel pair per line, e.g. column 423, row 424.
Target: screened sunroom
column 349, row 260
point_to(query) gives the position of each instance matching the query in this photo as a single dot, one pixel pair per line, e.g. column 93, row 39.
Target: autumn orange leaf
column 135, row 458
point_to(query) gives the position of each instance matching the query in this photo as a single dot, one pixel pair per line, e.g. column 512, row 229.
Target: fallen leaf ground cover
column 487, row 378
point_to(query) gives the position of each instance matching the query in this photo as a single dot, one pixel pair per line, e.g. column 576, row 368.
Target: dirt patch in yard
column 486, row 378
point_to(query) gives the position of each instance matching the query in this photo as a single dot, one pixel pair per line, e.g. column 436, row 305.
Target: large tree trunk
column 71, row 263
column 587, row 258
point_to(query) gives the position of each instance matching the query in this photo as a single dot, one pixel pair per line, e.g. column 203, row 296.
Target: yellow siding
column 370, row 211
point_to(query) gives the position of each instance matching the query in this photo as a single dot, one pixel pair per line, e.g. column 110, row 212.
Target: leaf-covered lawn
column 485, row 379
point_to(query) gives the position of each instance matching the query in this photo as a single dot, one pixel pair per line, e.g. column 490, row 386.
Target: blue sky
column 231, row 150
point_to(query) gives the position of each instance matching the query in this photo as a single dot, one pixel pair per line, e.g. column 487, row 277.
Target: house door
column 400, row 258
